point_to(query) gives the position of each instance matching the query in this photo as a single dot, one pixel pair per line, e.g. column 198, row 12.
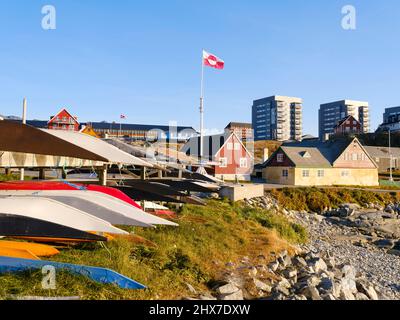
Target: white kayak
column 105, row 201
column 153, row 206
column 55, row 212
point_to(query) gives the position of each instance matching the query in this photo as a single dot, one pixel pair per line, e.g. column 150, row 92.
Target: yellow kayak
column 17, row 253
column 39, row 250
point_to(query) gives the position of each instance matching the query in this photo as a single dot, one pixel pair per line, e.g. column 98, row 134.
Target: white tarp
column 97, row 146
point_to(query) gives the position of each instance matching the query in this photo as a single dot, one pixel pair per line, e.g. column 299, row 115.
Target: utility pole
column 22, row 171
column 391, row 158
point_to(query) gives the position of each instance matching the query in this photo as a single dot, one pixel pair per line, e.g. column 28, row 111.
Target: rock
column 318, row 265
column 262, row 286
column 347, row 295
column 394, row 252
column 230, row 265
column 384, row 244
column 274, row 266
column 238, row 295
column 290, row 273
column 329, row 297
column 349, row 272
column 299, row 262
column 361, row 296
column 312, row 293
column 207, row 298
column 283, row 287
column 366, row 288
column 227, row 289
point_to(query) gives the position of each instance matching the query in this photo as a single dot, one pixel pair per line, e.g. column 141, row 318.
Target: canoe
column 57, row 185
column 100, row 275
column 107, row 207
column 20, row 226
column 153, row 206
column 55, row 212
column 39, row 250
column 17, row 253
column 139, row 195
column 187, row 185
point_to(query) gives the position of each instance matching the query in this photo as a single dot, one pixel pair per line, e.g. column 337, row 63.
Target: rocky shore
column 353, row 254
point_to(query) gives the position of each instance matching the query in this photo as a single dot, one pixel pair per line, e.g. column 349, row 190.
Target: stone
column 329, row 297
column 207, row 298
column 384, row 244
column 349, row 271
column 348, row 285
column 394, row 252
column 238, row 295
column 311, row 293
column 274, row 266
column 262, row 286
column 347, row 295
column 290, row 273
column 227, row 289
column 299, row 262
column 318, row 265
column 366, row 288
column 360, row 296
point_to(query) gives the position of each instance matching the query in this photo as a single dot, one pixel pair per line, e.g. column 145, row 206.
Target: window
column 345, row 173
column 279, row 157
column 306, row 173
column 285, row 173
column 354, row 157
column 243, row 162
column 237, row 146
column 321, row 173
column 377, row 160
column 229, row 146
column 223, row 162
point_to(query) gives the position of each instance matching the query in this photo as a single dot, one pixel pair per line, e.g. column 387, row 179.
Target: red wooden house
column 63, row 121
column 348, row 125
column 230, row 158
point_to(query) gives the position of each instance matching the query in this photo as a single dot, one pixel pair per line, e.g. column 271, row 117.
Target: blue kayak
column 101, row 275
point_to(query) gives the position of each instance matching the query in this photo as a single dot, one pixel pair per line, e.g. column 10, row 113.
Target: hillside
column 194, row 253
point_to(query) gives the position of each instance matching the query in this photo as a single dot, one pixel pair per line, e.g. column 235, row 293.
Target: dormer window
column 306, row 154
column 279, row 157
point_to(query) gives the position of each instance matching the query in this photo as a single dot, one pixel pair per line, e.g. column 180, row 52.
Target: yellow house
column 315, row 163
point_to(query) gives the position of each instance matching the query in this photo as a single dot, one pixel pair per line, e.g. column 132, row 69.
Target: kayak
column 100, row 275
column 17, row 253
column 14, row 226
column 55, row 212
column 98, row 204
column 39, row 250
column 56, row 185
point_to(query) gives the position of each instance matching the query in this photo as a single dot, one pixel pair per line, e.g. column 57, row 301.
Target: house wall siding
column 332, row 176
column 346, row 158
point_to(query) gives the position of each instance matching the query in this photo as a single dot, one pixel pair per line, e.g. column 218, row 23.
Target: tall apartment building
column 331, row 113
column 278, row 118
column 391, row 115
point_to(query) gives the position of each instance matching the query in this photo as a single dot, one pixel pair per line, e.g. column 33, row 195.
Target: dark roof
column 116, row 126
column 143, row 127
column 211, row 144
column 239, row 124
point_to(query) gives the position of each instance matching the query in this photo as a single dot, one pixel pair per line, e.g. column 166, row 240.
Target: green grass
column 195, row 252
column 317, row 200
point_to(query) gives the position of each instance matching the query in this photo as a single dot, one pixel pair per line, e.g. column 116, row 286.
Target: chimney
column 265, row 154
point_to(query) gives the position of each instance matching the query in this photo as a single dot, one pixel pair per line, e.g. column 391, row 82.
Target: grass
column 195, row 253
column 317, row 200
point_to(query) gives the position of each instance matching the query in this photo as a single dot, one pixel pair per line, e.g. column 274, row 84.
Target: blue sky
column 143, row 58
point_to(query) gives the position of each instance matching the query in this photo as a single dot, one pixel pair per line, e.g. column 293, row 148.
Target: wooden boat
column 101, row 275
column 56, row 185
column 55, row 212
column 39, row 250
column 139, row 195
column 17, row 226
column 101, row 205
column 17, row 253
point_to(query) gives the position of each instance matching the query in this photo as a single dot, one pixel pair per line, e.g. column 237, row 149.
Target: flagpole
column 202, row 109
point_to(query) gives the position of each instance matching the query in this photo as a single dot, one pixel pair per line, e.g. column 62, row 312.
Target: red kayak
column 50, row 185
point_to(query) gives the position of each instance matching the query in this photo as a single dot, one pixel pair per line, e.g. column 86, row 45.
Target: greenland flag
column 212, row 61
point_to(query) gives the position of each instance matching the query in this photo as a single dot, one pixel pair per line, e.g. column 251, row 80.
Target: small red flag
column 212, row 61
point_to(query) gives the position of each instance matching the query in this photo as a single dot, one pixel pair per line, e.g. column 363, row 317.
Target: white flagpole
column 202, row 108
